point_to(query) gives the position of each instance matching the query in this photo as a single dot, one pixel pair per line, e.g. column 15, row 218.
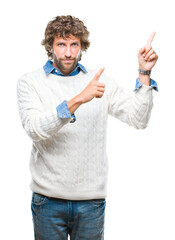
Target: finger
column 100, row 85
column 149, row 54
column 100, row 94
column 150, row 39
column 153, row 57
column 100, row 89
column 98, row 74
column 147, row 50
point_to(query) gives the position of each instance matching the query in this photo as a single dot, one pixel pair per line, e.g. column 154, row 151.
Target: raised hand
column 147, row 57
column 93, row 89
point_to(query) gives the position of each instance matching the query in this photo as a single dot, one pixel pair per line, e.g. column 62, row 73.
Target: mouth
column 68, row 60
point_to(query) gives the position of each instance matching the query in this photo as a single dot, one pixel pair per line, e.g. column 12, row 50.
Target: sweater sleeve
column 37, row 122
column 133, row 109
column 63, row 111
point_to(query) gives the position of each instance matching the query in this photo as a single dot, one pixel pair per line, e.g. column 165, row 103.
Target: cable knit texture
column 69, row 160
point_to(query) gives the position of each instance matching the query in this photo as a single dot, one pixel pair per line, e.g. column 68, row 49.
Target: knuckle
column 148, row 49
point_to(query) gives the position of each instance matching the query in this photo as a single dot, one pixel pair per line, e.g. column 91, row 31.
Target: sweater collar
column 49, row 68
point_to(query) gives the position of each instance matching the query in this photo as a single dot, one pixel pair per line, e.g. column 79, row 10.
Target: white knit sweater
column 69, row 160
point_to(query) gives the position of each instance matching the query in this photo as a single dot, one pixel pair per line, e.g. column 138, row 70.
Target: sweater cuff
column 63, row 111
column 153, row 84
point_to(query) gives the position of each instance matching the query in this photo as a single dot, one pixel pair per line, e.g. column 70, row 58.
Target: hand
column 147, row 57
column 93, row 89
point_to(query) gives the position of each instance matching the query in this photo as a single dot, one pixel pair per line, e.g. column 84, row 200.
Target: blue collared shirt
column 62, row 109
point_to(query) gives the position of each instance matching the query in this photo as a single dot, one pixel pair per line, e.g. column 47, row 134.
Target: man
column 64, row 108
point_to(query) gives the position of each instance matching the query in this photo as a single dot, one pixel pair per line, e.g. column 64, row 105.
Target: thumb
column 98, row 74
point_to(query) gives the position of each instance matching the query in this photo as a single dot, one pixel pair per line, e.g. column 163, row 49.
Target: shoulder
column 31, row 77
column 34, row 74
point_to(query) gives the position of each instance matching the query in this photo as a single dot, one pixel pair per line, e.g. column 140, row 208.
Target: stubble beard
column 69, row 67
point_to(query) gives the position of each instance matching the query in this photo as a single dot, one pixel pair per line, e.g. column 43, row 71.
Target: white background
column 141, row 195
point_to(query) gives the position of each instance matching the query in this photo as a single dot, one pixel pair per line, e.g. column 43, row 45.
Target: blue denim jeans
column 55, row 219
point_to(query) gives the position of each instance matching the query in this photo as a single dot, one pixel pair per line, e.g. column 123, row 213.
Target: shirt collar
column 49, row 68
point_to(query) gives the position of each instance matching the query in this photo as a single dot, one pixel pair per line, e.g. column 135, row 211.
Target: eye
column 75, row 44
column 60, row 44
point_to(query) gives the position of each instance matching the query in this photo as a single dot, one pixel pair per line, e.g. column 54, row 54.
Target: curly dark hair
column 64, row 26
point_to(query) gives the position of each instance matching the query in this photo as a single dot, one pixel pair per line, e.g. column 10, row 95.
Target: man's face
column 66, row 53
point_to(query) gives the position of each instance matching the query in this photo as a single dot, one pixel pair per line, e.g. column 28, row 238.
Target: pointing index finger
column 150, row 39
column 98, row 74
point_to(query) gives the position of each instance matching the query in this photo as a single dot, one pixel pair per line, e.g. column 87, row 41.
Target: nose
column 68, row 52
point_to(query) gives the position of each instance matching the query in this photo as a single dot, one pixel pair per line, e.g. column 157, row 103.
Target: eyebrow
column 62, row 41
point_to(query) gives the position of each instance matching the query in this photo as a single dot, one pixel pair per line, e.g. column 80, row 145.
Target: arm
column 145, row 79
column 135, row 109
column 38, row 123
column 74, row 103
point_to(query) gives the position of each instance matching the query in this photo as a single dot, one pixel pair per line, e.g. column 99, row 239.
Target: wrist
column 144, row 71
column 79, row 99
column 145, row 79
column 73, row 104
